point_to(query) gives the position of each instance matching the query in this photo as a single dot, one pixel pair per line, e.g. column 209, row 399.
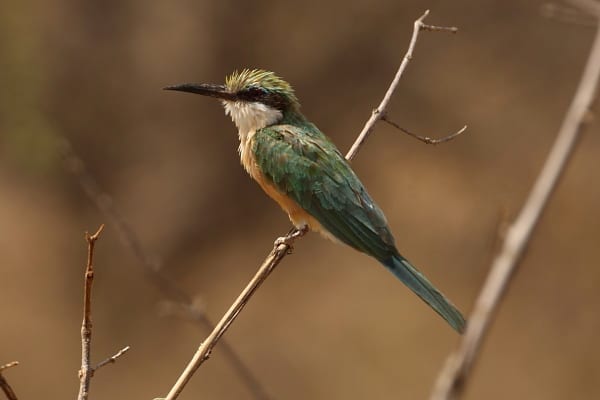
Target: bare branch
column 87, row 371
column 283, row 245
column 379, row 112
column 203, row 353
column 453, row 377
column 6, row 388
column 434, row 28
column 113, row 359
column 152, row 268
column 424, row 139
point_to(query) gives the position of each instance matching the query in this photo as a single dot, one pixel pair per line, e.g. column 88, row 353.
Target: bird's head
column 254, row 98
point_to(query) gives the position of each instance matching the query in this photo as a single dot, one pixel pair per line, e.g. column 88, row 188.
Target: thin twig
column 379, row 112
column 87, row 371
column 453, row 377
column 150, row 264
column 6, row 388
column 112, row 359
column 8, row 365
column 424, row 139
column 283, row 245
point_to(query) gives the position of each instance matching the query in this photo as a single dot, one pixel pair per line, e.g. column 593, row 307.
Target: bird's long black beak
column 205, row 89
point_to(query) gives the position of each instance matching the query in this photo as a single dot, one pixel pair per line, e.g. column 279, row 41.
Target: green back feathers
column 305, row 165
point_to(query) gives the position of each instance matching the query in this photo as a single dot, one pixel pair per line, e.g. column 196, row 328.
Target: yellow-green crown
column 267, row 81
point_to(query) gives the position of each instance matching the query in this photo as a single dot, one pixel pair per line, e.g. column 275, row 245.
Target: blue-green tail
column 412, row 278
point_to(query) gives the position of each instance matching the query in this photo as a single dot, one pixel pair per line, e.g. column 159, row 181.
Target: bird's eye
column 254, row 91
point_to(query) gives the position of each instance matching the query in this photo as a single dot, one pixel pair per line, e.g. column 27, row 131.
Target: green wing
column 305, row 165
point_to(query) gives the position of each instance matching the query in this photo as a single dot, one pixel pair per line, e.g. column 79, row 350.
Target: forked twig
column 87, row 371
column 379, row 112
column 283, row 245
column 455, row 373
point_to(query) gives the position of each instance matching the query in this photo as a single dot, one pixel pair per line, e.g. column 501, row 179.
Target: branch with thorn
column 283, row 245
column 87, row 371
column 455, row 374
column 6, row 388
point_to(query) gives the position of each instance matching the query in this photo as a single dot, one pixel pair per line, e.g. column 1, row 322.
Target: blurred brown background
column 330, row 323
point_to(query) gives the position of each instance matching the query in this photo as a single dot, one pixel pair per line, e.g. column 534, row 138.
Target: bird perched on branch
column 302, row 170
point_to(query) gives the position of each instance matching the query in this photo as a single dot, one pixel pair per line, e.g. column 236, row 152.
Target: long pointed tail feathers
column 412, row 278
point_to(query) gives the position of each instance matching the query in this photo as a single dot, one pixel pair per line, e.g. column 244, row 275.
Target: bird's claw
column 283, row 240
column 289, row 239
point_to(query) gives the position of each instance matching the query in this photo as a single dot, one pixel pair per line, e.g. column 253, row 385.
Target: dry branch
column 453, row 377
column 380, row 111
column 203, row 352
column 283, row 245
column 6, row 388
column 424, row 139
column 112, row 359
column 87, row 371
column 150, row 266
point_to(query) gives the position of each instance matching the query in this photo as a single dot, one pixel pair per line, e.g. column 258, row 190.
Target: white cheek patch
column 248, row 116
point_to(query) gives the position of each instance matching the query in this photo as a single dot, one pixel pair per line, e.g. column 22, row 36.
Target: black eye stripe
column 252, row 94
column 272, row 99
column 255, row 92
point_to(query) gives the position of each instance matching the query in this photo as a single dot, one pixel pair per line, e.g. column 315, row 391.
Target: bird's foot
column 291, row 237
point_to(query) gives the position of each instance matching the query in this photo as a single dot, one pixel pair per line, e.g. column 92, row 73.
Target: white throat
column 249, row 117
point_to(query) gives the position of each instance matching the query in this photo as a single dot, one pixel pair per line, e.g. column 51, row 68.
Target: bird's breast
column 246, row 154
column 249, row 163
column 296, row 213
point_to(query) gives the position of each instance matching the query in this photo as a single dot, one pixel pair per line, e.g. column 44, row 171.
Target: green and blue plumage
column 306, row 165
column 294, row 161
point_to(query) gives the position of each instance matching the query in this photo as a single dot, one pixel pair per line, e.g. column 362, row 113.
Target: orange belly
column 299, row 217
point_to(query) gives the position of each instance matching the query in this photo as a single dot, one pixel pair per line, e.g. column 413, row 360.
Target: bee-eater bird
column 302, row 170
